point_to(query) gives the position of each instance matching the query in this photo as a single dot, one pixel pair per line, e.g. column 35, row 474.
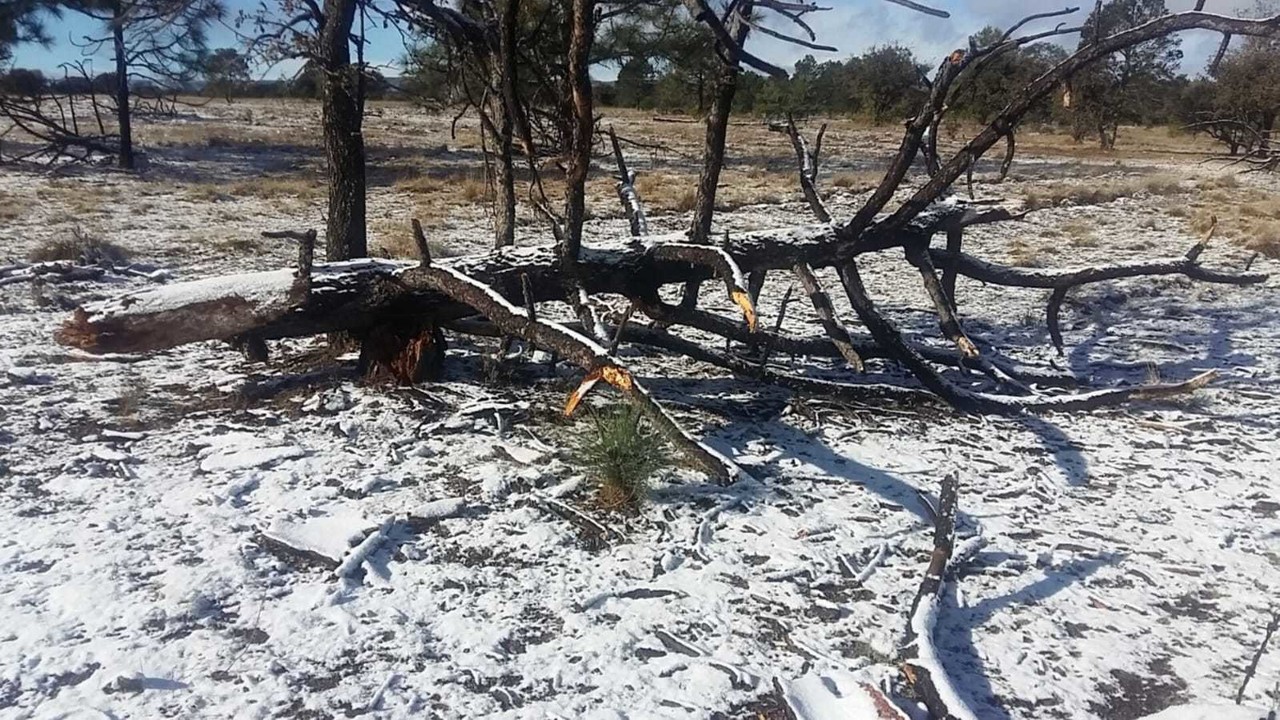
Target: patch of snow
column 244, row 459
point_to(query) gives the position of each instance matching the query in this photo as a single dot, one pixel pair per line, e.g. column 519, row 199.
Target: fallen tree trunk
column 359, row 294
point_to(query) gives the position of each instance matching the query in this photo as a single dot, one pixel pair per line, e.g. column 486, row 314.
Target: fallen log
column 359, row 294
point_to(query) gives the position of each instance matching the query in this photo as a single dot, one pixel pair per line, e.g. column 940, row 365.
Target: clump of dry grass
column 1251, row 219
column 665, row 192
column 857, row 181
column 1024, row 254
column 1265, row 239
column 1226, row 181
column 473, row 190
column 686, row 201
column 244, row 244
column 78, row 199
column 1099, row 193
column 9, row 206
column 400, row 244
column 128, row 403
column 79, row 247
column 1081, row 233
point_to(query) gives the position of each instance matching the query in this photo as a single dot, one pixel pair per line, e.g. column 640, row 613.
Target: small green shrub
column 620, row 452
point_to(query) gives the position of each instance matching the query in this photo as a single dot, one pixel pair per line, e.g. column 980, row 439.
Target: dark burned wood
column 944, row 531
column 1052, row 314
column 254, row 348
column 420, row 240
column 942, row 303
column 955, row 243
column 826, row 314
column 1052, row 278
column 627, row 193
column 406, row 352
column 887, row 336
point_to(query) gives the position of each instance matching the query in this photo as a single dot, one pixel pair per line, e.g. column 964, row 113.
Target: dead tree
column 496, row 293
column 156, row 47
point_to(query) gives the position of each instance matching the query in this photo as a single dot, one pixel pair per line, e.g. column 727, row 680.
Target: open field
column 1132, row 554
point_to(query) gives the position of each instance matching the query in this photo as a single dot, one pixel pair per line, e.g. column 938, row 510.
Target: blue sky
column 851, row 25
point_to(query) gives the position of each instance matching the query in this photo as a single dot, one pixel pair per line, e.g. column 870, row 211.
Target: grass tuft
column 80, row 247
column 620, row 452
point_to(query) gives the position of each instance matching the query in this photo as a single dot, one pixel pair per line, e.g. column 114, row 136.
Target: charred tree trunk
column 123, row 116
column 725, row 88
column 582, row 34
column 343, row 117
column 504, row 113
column 504, row 180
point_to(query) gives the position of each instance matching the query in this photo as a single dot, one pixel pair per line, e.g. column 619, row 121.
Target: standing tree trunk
column 713, row 153
column 343, row 115
column 726, row 86
column 1264, row 137
column 504, row 181
column 503, row 110
column 581, row 37
column 125, row 158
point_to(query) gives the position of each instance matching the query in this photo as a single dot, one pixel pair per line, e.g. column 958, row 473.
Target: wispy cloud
column 855, row 26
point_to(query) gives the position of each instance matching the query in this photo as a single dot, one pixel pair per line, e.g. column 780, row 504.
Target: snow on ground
column 148, row 505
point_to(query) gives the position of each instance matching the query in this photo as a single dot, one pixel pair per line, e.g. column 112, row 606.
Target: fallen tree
column 401, row 311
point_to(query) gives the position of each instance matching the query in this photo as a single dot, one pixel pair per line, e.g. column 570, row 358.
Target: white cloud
column 854, row 26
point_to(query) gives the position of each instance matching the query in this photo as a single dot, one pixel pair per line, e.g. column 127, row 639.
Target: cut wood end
column 581, row 392
column 967, row 348
column 1201, row 380
column 743, row 300
column 78, row 332
column 617, row 377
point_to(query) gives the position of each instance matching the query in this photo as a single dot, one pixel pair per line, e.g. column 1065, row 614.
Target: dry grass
column 1265, row 239
column 266, row 187
column 434, row 194
column 1025, row 254
column 243, row 245
column 79, row 199
column 1099, row 193
column 276, row 187
column 224, row 135
column 1081, row 233
column 79, row 246
column 395, row 241
column 667, row 192
column 1248, row 217
column 1132, row 142
column 857, row 181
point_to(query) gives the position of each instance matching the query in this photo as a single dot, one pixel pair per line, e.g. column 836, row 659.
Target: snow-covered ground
column 152, row 511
